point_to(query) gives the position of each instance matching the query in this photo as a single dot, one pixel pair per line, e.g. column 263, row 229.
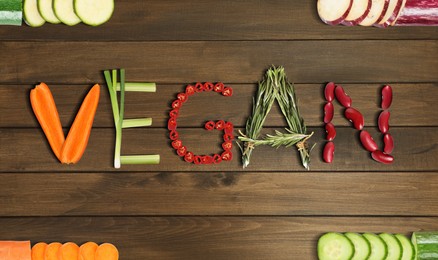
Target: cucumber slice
column 426, row 245
column 94, row 12
column 335, row 246
column 11, row 12
column 379, row 249
column 407, row 247
column 65, row 12
column 32, row 16
column 394, row 246
column 46, row 10
column 362, row 248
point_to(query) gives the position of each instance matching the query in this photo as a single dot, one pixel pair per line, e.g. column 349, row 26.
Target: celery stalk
column 118, row 147
column 140, row 159
column 138, row 87
column 113, row 97
column 137, row 122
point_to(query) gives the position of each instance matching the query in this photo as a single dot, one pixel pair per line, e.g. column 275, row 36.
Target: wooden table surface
column 274, row 209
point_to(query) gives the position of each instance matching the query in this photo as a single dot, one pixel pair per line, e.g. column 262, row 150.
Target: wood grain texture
column 213, row 20
column 233, row 62
column 413, row 105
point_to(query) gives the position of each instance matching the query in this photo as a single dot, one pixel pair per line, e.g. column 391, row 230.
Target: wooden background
column 274, row 209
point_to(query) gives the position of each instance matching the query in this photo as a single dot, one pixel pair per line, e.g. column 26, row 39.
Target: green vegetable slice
column 11, row 12
column 426, row 245
column 408, row 251
column 333, row 246
column 65, row 12
column 94, row 12
column 362, row 248
column 394, row 246
column 46, row 10
column 32, row 15
column 379, row 249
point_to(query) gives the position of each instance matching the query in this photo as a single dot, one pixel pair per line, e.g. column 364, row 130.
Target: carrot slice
column 51, row 252
column 68, row 251
column 77, row 138
column 38, row 251
column 87, row 251
column 106, row 251
column 45, row 110
column 15, row 250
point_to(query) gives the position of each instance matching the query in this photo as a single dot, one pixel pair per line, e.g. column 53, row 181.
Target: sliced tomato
column 227, row 92
column 207, row 159
column 182, row 96
column 228, row 137
column 227, row 145
column 218, row 87
column 227, row 156
column 174, row 113
column 171, row 124
column 190, row 90
column 229, row 128
column 210, row 125
column 182, row 151
column 189, row 157
column 197, row 159
column 176, row 104
column 208, row 86
column 220, row 125
column 176, row 144
column 199, row 87
column 173, row 135
column 217, row 158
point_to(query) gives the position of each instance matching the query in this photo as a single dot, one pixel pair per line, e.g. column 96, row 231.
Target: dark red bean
column 382, row 157
column 383, row 121
column 355, row 117
column 388, row 142
column 329, row 110
column 342, row 97
column 329, row 152
column 386, row 97
column 367, row 141
column 329, row 91
column 330, row 131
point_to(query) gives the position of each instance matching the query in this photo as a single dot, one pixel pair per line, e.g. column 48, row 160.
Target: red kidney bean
column 329, row 110
column 331, row 132
column 367, row 141
column 386, row 97
column 388, row 142
column 355, row 117
column 342, row 97
column 382, row 157
column 328, row 152
column 329, row 91
column 383, row 121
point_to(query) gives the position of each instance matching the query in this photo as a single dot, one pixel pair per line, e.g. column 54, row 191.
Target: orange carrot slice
column 77, row 138
column 15, row 250
column 68, row 251
column 51, row 252
column 87, row 251
column 45, row 110
column 106, row 251
column 38, row 251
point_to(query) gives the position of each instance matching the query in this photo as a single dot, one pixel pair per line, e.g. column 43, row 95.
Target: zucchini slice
column 335, row 246
column 394, row 246
column 11, row 12
column 407, row 247
column 362, row 248
column 32, row 16
column 46, row 10
column 65, row 12
column 94, row 12
column 379, row 249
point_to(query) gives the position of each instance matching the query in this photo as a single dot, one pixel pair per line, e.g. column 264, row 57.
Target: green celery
column 137, row 122
column 138, row 87
column 140, row 159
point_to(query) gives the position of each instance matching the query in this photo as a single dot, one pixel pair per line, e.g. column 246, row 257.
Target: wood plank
column 233, row 62
column 223, row 193
column 205, row 237
column 413, row 105
column 26, row 150
column 213, row 20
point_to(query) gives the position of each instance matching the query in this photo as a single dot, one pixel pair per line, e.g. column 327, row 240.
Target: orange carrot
column 15, row 250
column 106, row 251
column 51, row 252
column 87, row 251
column 68, row 251
column 77, row 138
column 38, row 251
column 45, row 110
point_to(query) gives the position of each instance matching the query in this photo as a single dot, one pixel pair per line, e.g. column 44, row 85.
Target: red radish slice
column 393, row 8
column 385, row 8
column 419, row 13
column 333, row 12
column 359, row 11
column 395, row 14
column 375, row 12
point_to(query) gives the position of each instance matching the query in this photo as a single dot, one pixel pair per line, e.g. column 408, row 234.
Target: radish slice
column 333, row 12
column 393, row 7
column 418, row 13
column 375, row 12
column 396, row 14
column 359, row 11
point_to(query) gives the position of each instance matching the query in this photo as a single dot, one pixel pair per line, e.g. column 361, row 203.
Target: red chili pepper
column 329, row 91
column 208, row 86
column 329, row 110
column 383, row 121
column 386, row 97
column 367, row 141
column 176, row 104
column 190, row 90
column 171, row 124
column 355, row 117
column 331, row 132
column 381, row 157
column 328, row 152
column 342, row 97
column 199, row 87
column 176, row 144
column 174, row 113
column 388, row 143
column 220, row 125
column 227, row 145
column 229, row 128
column 217, row 158
column 228, row 137
column 181, row 151
column 189, row 157
column 207, row 159
column 218, row 87
column 182, row 96
column 227, row 92
column 173, row 135
column 227, row 156
column 197, row 159
column 209, row 125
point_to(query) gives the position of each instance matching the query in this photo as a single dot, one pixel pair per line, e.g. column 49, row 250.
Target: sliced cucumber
column 46, row 10
column 11, row 12
column 426, row 245
column 407, row 247
column 335, row 246
column 379, row 249
column 94, row 12
column 32, row 16
column 362, row 248
column 393, row 245
column 65, row 12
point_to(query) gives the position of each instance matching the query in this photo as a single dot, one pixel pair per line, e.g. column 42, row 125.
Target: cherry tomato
column 176, row 144
column 208, row 86
column 199, row 87
column 207, row 159
column 227, row 145
column 210, row 125
column 173, row 135
column 227, row 92
column 197, row 159
column 174, row 113
column 227, row 156
column 190, row 90
column 229, row 128
column 217, row 158
column 228, row 137
column 182, row 96
column 176, row 104
column 189, row 157
column 171, row 124
column 218, row 87
column 220, row 125
column 182, row 151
